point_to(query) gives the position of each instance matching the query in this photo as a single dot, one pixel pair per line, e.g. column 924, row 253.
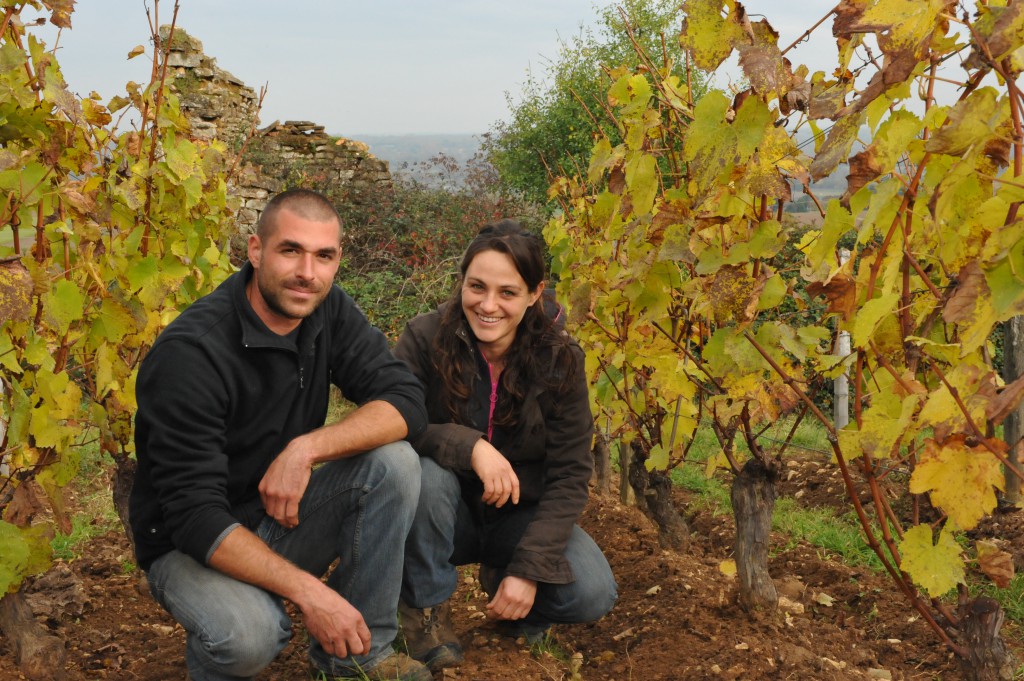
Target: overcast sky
column 366, row 66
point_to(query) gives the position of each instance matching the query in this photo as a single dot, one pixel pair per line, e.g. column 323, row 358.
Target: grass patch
column 711, row 492
column 92, row 505
column 1011, row 598
column 838, row 536
column 84, row 526
column 821, row 528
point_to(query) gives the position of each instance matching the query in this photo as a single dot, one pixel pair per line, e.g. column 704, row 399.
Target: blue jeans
column 356, row 509
column 445, row 534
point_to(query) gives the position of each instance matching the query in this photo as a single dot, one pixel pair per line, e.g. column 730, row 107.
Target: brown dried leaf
column 24, row 506
column 896, row 69
column 864, row 167
column 617, row 179
column 847, row 15
column 840, row 291
column 971, row 284
column 1005, row 36
column 1004, row 402
column 995, row 563
column 60, row 12
column 763, row 64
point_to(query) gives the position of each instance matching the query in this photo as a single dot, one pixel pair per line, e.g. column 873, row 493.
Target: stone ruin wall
column 221, row 106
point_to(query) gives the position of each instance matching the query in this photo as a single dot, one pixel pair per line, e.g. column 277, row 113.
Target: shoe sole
column 444, row 655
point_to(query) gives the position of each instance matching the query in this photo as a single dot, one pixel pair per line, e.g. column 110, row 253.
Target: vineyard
column 706, row 315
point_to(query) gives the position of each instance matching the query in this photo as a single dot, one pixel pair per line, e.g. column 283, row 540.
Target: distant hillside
column 409, row 155
column 403, row 152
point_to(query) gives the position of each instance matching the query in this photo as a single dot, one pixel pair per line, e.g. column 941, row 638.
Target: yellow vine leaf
column 714, row 462
column 942, row 412
column 895, row 137
column 837, row 146
column 1006, row 282
column 714, row 145
column 657, row 459
column 886, row 422
column 15, row 291
column 907, row 23
column 935, row 567
column 65, row 305
column 871, row 313
column 642, row 180
column 961, row 479
column 970, row 123
column 26, row 552
column 776, row 154
column 707, row 35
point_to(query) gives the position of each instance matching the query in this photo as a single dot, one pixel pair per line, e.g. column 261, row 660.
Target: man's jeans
column 358, row 509
column 445, row 534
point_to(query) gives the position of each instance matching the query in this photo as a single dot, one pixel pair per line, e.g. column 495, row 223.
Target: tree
column 667, row 254
column 554, row 122
column 107, row 236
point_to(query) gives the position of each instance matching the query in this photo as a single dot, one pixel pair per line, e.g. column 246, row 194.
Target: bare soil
column 677, row 617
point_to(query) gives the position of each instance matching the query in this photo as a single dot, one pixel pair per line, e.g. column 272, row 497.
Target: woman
column 506, row 458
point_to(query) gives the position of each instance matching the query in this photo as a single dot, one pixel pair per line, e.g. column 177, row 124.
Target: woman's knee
column 595, row 590
column 438, row 480
column 597, row 598
column 401, row 468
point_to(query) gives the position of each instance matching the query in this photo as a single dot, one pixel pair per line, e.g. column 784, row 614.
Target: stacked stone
column 221, row 106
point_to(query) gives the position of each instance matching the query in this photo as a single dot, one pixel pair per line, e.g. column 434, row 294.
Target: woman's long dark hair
column 526, row 363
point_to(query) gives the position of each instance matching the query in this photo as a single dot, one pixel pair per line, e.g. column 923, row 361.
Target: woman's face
column 494, row 299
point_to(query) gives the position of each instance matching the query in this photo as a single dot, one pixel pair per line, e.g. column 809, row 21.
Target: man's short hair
column 305, row 203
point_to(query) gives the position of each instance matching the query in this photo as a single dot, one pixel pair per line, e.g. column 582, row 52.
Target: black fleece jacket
column 549, row 449
column 220, row 395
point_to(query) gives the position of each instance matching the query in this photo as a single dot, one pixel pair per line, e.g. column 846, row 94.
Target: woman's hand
column 500, row 482
column 513, row 600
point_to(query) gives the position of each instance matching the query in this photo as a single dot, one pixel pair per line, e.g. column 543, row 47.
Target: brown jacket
column 549, row 450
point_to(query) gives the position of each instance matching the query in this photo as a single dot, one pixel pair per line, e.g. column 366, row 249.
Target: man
column 230, row 511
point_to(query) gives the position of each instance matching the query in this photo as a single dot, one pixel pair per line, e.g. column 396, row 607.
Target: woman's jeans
column 445, row 535
column 356, row 509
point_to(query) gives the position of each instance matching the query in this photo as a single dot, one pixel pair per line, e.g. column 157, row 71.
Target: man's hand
column 513, row 599
column 500, row 482
column 285, row 482
column 337, row 625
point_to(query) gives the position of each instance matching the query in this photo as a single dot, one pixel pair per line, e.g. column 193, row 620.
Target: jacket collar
column 256, row 334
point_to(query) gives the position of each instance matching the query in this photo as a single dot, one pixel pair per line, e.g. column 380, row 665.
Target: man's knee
column 242, row 643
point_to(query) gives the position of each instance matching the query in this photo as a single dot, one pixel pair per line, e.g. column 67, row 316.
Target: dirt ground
column 677, row 617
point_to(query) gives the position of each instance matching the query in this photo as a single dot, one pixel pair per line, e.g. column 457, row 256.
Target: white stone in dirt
column 883, row 674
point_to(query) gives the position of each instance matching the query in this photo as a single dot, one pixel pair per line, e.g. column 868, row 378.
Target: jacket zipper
column 494, row 401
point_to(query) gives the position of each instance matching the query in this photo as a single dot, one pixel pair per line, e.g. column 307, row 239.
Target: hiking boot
column 429, row 636
column 394, row 667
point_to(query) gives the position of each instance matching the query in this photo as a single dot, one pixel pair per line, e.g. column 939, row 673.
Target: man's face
column 295, row 266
